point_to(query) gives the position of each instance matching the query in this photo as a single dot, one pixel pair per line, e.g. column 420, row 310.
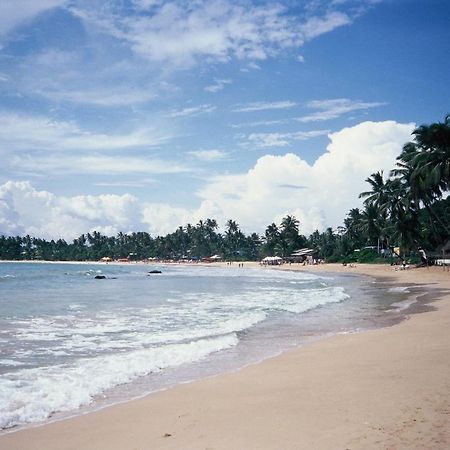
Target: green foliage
column 368, row 256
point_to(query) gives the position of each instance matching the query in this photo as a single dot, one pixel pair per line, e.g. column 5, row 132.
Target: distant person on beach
column 423, row 257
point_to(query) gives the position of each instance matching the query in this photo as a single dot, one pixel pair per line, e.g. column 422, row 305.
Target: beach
column 387, row 388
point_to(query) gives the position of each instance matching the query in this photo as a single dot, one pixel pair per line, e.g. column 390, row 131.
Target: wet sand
column 383, row 389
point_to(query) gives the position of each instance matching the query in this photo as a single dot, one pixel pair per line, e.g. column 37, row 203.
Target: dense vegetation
column 190, row 242
column 405, row 209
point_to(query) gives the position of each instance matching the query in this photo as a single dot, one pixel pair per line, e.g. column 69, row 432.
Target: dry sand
column 383, row 389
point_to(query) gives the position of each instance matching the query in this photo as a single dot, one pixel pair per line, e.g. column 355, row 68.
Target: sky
column 144, row 115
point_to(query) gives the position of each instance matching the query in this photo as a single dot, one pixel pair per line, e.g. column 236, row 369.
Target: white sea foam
column 32, row 395
column 90, row 337
column 399, row 289
column 9, row 362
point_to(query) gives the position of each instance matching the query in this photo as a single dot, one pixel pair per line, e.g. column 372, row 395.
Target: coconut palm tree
column 378, row 193
column 416, row 183
column 432, row 160
column 289, row 238
column 403, row 214
column 271, row 238
column 233, row 238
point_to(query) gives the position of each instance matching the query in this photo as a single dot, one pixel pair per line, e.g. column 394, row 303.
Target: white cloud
column 25, row 210
column 319, row 194
column 209, row 155
column 316, row 26
column 331, row 184
column 333, row 108
column 182, row 33
column 266, row 140
column 218, row 85
column 43, row 133
column 98, row 96
column 251, row 66
column 138, row 183
column 103, row 81
column 193, row 111
column 264, row 106
column 96, row 164
column 161, row 219
column 259, row 123
column 215, row 29
column 16, row 12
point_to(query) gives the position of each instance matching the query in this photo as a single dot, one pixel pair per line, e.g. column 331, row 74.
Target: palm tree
column 271, row 238
column 416, row 184
column 377, row 194
column 233, row 238
column 370, row 223
column 289, row 236
column 290, row 225
column 403, row 214
column 352, row 224
column 432, row 144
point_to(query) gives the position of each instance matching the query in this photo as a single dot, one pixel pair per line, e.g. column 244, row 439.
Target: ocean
column 71, row 343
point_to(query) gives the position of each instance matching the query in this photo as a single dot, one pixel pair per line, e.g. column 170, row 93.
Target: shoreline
column 265, row 394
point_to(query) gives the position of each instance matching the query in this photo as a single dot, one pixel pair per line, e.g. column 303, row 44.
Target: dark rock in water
column 99, row 277
column 155, row 271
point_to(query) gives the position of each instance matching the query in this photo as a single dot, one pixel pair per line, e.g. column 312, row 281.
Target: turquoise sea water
column 68, row 340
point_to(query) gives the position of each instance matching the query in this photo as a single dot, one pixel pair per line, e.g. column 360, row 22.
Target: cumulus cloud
column 25, row 210
column 319, row 194
column 330, row 186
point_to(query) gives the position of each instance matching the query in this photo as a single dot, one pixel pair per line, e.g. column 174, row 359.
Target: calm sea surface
column 70, row 341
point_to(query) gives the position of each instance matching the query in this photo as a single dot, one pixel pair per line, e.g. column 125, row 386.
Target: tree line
column 406, row 208
column 190, row 242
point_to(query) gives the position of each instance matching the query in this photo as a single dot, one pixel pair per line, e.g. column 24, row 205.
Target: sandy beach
column 383, row 389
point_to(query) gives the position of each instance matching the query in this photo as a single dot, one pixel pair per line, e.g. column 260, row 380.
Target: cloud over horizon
column 273, row 187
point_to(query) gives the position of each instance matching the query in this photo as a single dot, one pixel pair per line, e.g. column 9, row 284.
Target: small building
column 272, row 261
column 301, row 255
column 213, row 258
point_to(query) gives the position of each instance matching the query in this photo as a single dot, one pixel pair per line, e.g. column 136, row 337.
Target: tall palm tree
column 271, row 238
column 414, row 181
column 378, row 193
column 432, row 161
column 289, row 235
column 233, row 238
column 403, row 214
column 352, row 224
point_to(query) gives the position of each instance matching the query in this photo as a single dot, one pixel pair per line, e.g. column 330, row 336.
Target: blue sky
column 128, row 115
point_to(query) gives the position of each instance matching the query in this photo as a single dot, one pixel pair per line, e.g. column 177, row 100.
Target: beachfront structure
column 301, row 254
column 213, row 258
column 272, row 261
